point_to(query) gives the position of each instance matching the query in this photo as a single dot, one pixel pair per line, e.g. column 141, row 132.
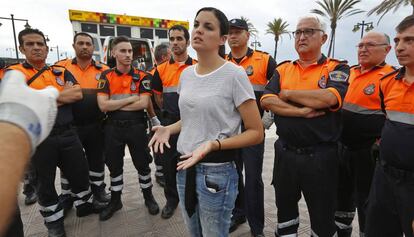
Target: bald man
column 363, row 120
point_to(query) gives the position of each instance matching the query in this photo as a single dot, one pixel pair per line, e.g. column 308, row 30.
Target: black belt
column 399, row 174
column 59, row 129
column 190, row 181
column 126, row 123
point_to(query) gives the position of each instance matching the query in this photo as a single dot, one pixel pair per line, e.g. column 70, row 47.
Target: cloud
column 52, row 18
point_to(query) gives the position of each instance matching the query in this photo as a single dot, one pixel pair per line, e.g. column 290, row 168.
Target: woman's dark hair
column 224, row 25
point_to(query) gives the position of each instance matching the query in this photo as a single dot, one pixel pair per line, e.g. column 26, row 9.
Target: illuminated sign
column 76, row 15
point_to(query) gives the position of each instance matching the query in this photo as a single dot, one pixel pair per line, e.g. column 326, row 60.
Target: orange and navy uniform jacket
column 165, row 81
column 86, row 110
column 326, row 73
column 397, row 137
column 56, row 76
column 259, row 67
column 118, row 85
column 362, row 116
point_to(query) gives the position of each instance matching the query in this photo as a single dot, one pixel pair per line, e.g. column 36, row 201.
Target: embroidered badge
column 322, row 82
column 97, row 76
column 249, row 70
column 133, row 87
column 146, row 84
column 338, row 76
column 59, row 81
column 101, row 83
column 370, row 89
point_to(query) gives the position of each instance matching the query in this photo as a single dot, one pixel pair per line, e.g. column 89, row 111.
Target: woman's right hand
column 160, row 138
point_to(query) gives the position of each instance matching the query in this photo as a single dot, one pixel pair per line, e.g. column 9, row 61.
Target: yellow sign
column 76, row 15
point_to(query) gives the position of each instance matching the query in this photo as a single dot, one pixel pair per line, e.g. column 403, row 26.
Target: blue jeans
column 216, row 188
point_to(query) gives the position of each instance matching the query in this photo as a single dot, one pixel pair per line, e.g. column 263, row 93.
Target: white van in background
column 142, row 52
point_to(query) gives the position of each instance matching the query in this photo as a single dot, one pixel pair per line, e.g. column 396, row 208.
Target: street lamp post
column 360, row 25
column 14, row 30
column 255, row 43
column 57, row 51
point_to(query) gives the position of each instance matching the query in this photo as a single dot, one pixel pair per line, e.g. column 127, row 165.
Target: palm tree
column 277, row 27
column 387, row 5
column 335, row 10
column 252, row 30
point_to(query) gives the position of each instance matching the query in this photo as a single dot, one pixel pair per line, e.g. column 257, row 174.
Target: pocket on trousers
column 215, row 183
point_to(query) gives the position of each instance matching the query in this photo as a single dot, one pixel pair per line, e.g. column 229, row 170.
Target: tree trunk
column 330, row 42
column 276, row 41
column 412, row 4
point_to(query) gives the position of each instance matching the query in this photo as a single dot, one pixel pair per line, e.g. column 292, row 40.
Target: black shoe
column 160, row 180
column 99, row 195
column 168, row 211
column 88, row 209
column 56, row 230
column 114, row 205
column 66, row 201
column 234, row 224
column 150, row 202
column 30, row 199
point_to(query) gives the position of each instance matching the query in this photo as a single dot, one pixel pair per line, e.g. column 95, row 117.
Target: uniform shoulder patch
column 146, row 83
column 338, row 76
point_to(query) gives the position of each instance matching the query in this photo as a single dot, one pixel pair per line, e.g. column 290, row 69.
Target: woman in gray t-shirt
column 215, row 97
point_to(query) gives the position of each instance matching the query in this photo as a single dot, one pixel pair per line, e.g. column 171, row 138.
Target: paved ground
column 134, row 220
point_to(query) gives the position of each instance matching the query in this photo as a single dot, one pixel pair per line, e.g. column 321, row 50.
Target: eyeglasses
column 369, row 45
column 305, row 32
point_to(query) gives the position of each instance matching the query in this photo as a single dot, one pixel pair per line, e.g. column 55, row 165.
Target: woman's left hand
column 193, row 158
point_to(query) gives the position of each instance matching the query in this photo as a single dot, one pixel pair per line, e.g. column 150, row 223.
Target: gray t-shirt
column 208, row 104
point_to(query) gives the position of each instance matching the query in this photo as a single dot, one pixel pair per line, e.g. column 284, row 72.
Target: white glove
column 155, row 121
column 267, row 119
column 32, row 110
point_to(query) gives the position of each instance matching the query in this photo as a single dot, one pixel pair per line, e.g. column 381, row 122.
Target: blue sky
column 52, row 18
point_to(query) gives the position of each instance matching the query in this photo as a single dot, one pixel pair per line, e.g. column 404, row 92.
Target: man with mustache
column 362, row 124
column 124, row 94
column 390, row 210
column 164, row 85
column 306, row 95
column 88, row 119
column 62, row 148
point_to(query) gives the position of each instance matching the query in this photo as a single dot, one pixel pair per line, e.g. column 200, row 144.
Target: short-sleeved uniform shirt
column 363, row 118
column 326, row 73
column 120, row 85
column 259, row 67
column 165, row 82
column 208, row 104
column 56, row 76
column 397, row 136
column 86, row 110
